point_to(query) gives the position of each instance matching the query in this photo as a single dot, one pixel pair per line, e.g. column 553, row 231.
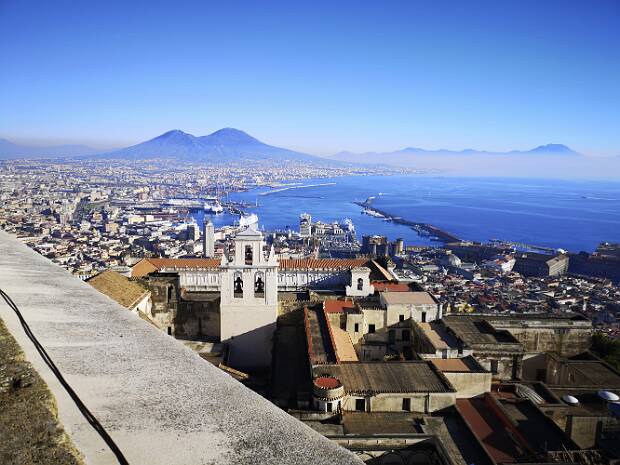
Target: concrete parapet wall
column 160, row 402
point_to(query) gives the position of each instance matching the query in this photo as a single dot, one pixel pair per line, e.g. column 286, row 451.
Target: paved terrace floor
column 161, row 403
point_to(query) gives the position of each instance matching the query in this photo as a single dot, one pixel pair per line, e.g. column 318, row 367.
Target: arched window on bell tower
column 248, row 255
column 360, row 284
column 259, row 284
column 237, row 285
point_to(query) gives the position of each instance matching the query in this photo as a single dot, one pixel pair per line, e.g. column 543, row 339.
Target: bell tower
column 248, row 300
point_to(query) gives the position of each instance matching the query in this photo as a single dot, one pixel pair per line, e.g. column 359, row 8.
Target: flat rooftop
column 457, row 365
column 408, row 298
column 370, row 378
column 594, row 373
column 160, row 402
column 438, row 336
column 477, row 330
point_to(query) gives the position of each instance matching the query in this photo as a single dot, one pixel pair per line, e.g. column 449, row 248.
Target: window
column 371, row 329
column 406, row 335
column 360, row 284
column 169, row 331
column 357, row 327
column 259, row 285
column 238, row 286
column 248, row 254
column 329, row 406
column 401, row 317
column 406, row 404
column 169, row 294
column 494, row 366
column 423, row 317
column 343, row 325
column 360, row 405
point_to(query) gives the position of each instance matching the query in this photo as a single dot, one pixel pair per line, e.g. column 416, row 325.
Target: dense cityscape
column 467, row 325
column 309, row 233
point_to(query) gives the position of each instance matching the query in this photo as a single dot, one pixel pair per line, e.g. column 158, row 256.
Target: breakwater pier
column 434, row 231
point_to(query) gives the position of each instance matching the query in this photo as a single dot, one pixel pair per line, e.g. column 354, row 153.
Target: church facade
column 235, row 299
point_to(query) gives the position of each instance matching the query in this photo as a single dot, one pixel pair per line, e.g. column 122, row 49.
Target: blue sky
column 319, row 77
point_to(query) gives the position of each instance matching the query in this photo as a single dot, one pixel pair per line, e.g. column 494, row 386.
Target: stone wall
column 469, row 384
column 393, row 402
column 564, row 336
column 185, row 315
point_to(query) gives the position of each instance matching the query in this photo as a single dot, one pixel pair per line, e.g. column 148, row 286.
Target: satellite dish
column 608, row 396
column 570, row 400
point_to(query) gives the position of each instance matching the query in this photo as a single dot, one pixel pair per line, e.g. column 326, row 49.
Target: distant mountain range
column 229, row 145
column 10, row 150
column 410, row 154
column 225, row 145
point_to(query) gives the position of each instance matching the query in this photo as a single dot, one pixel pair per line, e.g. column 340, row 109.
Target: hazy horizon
column 106, row 146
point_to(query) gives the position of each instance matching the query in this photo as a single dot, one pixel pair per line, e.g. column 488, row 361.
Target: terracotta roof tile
column 148, row 265
column 337, row 306
column 392, row 287
column 119, row 288
column 322, row 263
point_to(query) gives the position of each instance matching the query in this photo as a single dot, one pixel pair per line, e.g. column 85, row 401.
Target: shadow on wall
column 251, row 350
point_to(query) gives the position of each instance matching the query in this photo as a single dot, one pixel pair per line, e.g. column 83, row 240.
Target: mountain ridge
column 9, row 150
column 226, row 144
column 546, row 150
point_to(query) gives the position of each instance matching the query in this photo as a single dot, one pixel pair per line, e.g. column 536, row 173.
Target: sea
column 567, row 214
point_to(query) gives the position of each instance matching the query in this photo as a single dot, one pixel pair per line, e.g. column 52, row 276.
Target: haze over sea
column 573, row 215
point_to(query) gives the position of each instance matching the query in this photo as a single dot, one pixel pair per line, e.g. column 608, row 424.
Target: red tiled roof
column 149, row 265
column 185, row 262
column 337, row 306
column 322, row 263
column 327, row 382
column 392, row 287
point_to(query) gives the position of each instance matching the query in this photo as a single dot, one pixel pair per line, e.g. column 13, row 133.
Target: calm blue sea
column 574, row 215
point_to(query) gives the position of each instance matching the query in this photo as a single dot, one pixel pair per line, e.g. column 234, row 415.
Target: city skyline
column 318, row 79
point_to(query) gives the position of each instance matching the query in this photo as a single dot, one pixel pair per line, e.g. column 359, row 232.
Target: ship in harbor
column 183, row 203
column 369, row 212
column 248, row 220
column 347, row 225
column 213, row 207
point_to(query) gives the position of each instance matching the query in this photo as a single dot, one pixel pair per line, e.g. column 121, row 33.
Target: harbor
column 420, row 228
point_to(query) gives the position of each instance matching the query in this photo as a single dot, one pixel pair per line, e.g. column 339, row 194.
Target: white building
column 419, row 306
column 249, row 300
column 208, row 239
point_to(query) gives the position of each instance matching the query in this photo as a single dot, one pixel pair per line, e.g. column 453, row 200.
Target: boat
column 367, row 211
column 248, row 220
column 347, row 225
column 213, row 207
column 182, row 203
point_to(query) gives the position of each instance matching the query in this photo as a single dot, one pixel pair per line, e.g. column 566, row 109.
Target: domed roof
column 327, row 382
column 570, row 400
column 608, row 396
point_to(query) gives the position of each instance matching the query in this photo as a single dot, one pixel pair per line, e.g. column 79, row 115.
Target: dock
column 440, row 234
